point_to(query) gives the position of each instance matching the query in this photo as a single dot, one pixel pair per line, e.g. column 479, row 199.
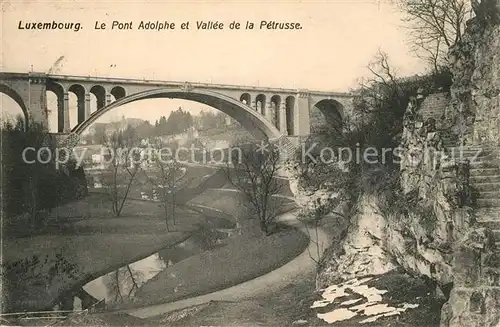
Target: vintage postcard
column 250, row 163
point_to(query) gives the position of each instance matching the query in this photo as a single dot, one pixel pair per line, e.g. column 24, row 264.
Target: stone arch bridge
column 263, row 111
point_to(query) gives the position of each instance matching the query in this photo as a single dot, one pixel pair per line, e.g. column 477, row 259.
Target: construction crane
column 55, row 68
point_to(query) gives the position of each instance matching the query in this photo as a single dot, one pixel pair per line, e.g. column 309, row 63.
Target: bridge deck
column 121, row 80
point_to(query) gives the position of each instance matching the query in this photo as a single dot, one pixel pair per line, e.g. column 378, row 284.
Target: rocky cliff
column 432, row 228
column 418, row 230
column 475, row 297
column 475, row 64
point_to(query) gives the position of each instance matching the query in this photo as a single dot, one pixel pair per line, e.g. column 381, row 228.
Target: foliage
column 178, row 122
column 18, row 276
column 99, row 133
column 435, row 26
column 254, row 172
column 243, row 258
column 145, row 130
column 34, row 186
column 379, row 107
column 208, row 120
column 364, row 160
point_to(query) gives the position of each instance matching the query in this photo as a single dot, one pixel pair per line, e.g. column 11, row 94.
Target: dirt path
column 263, row 285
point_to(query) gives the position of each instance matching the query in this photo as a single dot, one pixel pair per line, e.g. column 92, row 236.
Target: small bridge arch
column 327, row 112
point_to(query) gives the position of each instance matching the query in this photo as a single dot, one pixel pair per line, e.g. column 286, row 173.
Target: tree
column 164, row 176
column 123, row 163
column 99, row 133
column 145, row 130
column 208, row 120
column 435, row 26
column 28, row 175
column 178, row 122
column 31, row 182
column 253, row 171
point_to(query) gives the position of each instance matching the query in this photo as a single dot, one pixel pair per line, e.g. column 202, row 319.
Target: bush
column 376, row 124
column 35, row 188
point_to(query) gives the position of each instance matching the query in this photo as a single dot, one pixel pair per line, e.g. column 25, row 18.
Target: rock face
column 419, row 232
column 363, row 247
column 476, row 70
column 433, row 232
column 475, row 297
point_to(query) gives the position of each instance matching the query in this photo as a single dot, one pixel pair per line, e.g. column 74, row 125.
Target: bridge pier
column 63, row 124
column 30, row 94
column 269, row 111
column 83, row 102
column 282, row 113
column 87, row 106
column 108, row 99
column 301, row 114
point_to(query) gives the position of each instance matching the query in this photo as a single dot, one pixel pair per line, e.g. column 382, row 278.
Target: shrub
column 380, row 106
column 35, row 188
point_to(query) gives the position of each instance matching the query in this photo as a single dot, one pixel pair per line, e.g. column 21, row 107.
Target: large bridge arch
column 251, row 120
column 7, row 90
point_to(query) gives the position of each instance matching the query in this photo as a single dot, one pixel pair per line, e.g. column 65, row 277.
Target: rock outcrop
column 475, row 297
column 475, row 64
column 432, row 230
column 419, row 232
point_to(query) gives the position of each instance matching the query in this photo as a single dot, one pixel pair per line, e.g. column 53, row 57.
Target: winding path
column 265, row 284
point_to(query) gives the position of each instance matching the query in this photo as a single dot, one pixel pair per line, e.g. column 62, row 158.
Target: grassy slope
column 94, row 241
column 243, row 258
column 94, row 245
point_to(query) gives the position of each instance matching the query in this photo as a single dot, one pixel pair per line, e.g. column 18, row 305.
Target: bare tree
column 435, row 25
column 123, row 163
column 164, row 175
column 253, row 171
column 384, row 78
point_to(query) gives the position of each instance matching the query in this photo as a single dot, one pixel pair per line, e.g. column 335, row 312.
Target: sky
column 331, row 51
